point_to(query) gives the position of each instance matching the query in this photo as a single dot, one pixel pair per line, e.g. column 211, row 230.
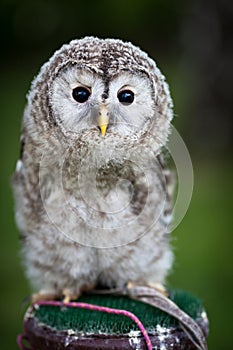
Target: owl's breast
column 103, row 193
column 105, row 190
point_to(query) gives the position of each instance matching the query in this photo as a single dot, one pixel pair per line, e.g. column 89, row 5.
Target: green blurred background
column 191, row 42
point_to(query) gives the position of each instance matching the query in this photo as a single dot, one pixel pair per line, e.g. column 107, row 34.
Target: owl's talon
column 160, row 288
column 157, row 286
column 69, row 296
column 41, row 296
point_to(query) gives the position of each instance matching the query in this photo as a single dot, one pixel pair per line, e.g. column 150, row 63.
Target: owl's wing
column 155, row 298
column 169, row 182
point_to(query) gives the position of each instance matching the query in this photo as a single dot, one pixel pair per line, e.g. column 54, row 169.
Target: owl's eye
column 81, row 94
column 126, row 97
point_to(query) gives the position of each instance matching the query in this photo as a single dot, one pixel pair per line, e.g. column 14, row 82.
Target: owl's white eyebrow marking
column 83, row 84
column 77, row 76
column 127, row 86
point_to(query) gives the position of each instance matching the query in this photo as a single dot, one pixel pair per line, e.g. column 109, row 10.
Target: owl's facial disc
column 79, row 101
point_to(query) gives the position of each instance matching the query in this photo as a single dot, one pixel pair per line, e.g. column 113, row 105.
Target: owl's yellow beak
column 103, row 119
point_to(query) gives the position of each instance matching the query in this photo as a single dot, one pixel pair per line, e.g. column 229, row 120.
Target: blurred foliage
column 191, row 42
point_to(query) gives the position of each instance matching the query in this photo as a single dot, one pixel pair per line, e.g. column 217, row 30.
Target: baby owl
column 92, row 193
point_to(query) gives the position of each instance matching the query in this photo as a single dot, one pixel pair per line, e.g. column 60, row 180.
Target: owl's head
column 104, row 85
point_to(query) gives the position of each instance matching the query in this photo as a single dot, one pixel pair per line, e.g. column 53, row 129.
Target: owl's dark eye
column 126, row 97
column 81, row 94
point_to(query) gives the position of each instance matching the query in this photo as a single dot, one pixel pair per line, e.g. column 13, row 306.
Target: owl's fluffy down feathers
column 93, row 209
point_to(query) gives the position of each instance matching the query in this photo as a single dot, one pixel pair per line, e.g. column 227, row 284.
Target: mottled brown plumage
column 93, row 208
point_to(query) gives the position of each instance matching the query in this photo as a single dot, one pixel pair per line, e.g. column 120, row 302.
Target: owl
column 92, row 192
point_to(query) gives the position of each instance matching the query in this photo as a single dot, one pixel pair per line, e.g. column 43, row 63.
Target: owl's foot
column 42, row 296
column 157, row 286
column 68, row 295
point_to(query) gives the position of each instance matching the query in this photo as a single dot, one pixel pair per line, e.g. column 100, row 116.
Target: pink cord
column 20, row 343
column 100, row 309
